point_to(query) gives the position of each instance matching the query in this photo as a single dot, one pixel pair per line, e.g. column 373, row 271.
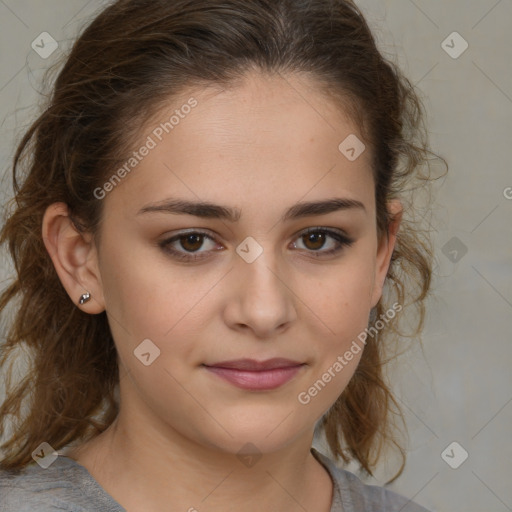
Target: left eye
column 313, row 240
column 316, row 239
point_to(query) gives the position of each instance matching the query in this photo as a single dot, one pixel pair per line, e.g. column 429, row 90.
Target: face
column 258, row 277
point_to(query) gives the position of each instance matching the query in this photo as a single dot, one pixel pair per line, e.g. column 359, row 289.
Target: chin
column 263, row 432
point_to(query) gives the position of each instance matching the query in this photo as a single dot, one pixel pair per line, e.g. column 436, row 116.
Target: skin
column 262, row 147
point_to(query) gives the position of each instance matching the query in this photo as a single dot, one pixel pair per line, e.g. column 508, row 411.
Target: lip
column 256, row 375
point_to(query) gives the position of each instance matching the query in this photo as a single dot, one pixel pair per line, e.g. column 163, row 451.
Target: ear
column 385, row 249
column 74, row 257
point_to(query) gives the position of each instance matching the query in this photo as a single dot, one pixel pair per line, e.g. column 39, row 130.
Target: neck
column 144, row 468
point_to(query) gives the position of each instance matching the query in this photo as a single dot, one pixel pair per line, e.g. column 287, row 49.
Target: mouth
column 256, row 375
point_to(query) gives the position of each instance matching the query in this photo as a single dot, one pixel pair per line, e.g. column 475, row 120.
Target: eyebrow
column 209, row 210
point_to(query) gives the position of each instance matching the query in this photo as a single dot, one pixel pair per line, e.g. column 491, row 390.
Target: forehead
column 265, row 138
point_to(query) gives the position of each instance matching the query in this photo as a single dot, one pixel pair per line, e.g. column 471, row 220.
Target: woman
column 211, row 246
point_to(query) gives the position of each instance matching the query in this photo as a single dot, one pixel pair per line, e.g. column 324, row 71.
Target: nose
column 262, row 300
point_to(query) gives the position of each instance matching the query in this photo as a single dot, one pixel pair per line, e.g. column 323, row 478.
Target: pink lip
column 256, row 375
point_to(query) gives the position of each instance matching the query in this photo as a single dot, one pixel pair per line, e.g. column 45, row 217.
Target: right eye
column 184, row 246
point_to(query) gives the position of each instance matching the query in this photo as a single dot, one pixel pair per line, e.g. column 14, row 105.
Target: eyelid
column 342, row 238
column 211, row 235
column 325, row 229
column 183, row 255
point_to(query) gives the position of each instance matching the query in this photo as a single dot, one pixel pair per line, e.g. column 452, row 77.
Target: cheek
column 341, row 307
column 140, row 289
column 341, row 297
column 147, row 299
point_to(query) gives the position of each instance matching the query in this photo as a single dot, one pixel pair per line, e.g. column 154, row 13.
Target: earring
column 85, row 298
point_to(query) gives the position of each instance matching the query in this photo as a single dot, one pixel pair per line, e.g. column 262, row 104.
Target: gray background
column 458, row 388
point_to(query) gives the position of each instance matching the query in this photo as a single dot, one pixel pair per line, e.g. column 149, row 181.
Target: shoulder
column 353, row 495
column 43, row 490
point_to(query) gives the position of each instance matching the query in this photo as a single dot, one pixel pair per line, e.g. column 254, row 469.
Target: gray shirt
column 67, row 486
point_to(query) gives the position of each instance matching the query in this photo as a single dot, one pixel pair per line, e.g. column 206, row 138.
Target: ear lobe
column 74, row 257
column 385, row 250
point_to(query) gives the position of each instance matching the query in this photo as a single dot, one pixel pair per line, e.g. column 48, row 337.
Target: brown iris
column 317, row 239
column 191, row 242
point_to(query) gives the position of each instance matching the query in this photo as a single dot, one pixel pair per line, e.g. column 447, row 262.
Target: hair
column 128, row 62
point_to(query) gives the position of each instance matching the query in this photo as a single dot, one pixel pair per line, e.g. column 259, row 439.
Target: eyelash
column 342, row 239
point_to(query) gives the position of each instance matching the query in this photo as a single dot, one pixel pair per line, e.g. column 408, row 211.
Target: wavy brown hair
column 134, row 56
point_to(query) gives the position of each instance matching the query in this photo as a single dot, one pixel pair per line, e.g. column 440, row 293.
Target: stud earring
column 84, row 298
